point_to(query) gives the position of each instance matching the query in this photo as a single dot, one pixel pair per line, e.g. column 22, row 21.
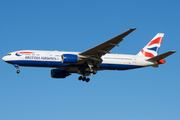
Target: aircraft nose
column 4, row 58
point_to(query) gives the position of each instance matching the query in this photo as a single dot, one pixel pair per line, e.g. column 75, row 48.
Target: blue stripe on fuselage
column 119, row 66
column 60, row 64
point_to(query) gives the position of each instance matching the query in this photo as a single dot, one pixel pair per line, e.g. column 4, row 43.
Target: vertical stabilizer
column 152, row 48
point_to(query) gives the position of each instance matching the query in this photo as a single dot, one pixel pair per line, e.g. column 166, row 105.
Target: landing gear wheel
column 94, row 72
column 87, row 80
column 84, row 78
column 80, row 78
column 18, row 71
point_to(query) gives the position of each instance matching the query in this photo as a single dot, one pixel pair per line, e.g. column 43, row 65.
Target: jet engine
column 58, row 73
column 69, row 58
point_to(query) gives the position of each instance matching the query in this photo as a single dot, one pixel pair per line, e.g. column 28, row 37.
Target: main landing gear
column 83, row 78
column 17, row 67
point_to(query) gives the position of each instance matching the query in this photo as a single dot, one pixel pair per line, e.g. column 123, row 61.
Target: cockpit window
column 8, row 54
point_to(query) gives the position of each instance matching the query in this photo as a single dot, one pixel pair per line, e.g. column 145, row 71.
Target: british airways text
column 37, row 58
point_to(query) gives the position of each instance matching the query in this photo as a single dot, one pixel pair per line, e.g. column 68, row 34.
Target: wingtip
column 133, row 28
column 173, row 51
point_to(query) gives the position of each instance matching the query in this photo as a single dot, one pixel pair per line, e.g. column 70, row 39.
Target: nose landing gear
column 17, row 67
column 18, row 71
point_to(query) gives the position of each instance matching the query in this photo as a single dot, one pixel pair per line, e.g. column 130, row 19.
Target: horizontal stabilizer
column 159, row 57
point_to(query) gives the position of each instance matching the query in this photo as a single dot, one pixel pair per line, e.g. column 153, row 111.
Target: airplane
column 95, row 59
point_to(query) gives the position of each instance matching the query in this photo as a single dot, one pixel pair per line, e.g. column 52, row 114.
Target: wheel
column 91, row 70
column 87, row 80
column 84, row 78
column 80, row 78
column 94, row 72
column 18, row 71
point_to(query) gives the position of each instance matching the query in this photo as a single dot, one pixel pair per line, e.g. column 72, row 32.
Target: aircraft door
column 134, row 60
column 58, row 58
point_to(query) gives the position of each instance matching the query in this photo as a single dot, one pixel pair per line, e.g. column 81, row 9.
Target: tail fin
column 152, row 48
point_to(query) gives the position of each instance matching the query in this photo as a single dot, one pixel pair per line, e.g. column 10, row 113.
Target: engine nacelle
column 69, row 58
column 58, row 73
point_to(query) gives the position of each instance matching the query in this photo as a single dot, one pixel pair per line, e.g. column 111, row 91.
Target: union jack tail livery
column 152, row 48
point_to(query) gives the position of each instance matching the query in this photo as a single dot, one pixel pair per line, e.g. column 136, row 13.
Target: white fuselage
column 37, row 58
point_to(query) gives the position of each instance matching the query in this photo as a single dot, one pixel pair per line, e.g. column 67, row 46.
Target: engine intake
column 58, row 73
column 69, row 58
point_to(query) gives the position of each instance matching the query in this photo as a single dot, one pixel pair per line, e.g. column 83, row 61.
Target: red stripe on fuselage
column 24, row 52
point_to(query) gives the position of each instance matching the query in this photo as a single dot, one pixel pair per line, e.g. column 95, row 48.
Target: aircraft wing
column 94, row 54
